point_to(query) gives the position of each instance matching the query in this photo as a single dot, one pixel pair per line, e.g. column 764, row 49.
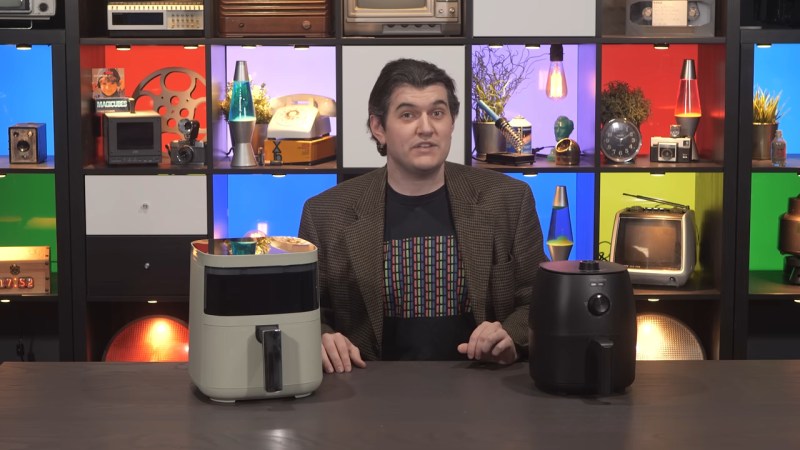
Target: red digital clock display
column 16, row 282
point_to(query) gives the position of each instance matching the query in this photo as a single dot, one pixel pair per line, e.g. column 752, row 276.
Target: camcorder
column 188, row 150
column 671, row 149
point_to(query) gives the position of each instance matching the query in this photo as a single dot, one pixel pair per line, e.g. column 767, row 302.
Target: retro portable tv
column 132, row 138
column 402, row 17
column 27, row 9
column 658, row 245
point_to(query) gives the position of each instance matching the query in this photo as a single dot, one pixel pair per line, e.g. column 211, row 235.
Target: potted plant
column 619, row 101
column 766, row 113
column 622, row 110
column 497, row 73
column 261, row 106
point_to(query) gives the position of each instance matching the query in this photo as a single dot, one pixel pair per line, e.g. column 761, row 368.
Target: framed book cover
column 108, row 82
column 108, row 90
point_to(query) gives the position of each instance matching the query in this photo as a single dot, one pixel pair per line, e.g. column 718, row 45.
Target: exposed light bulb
column 556, row 88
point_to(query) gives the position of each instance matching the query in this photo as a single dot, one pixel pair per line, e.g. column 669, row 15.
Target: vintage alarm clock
column 620, row 140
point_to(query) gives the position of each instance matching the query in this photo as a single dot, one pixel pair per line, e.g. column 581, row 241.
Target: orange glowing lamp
column 150, row 339
column 556, row 87
column 687, row 108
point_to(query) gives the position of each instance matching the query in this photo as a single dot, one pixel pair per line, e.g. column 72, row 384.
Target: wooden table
column 403, row 405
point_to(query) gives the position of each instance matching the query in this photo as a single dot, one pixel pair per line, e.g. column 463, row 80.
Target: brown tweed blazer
column 499, row 242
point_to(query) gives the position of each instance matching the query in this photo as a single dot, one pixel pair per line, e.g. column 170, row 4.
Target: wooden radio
column 311, row 18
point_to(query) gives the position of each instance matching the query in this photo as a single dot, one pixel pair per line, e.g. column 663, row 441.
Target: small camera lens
column 185, row 154
column 23, row 146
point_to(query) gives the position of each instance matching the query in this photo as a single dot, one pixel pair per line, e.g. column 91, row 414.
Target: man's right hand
column 339, row 354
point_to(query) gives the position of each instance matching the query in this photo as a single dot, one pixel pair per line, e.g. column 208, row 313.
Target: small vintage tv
column 132, row 138
column 402, row 17
column 658, row 245
column 27, row 9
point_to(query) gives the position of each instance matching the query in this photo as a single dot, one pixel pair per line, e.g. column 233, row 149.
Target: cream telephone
column 300, row 116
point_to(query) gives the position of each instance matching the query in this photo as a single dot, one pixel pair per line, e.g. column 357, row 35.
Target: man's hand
column 339, row 354
column 490, row 342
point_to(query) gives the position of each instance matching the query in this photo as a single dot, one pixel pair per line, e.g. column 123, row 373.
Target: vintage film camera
column 671, row 149
column 27, row 143
column 188, row 150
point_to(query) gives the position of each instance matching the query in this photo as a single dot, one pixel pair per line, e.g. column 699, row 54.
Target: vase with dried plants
column 619, row 101
column 767, row 112
column 497, row 74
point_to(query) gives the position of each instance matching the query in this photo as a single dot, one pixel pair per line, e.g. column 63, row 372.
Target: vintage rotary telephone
column 300, row 116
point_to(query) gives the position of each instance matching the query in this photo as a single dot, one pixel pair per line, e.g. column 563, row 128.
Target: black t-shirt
column 426, row 310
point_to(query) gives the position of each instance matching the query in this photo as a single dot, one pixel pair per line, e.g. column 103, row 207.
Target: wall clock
column 620, row 140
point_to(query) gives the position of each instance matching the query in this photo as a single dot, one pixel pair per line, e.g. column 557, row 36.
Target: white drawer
column 146, row 204
column 495, row 18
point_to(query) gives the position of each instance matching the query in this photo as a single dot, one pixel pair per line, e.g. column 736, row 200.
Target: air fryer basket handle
column 602, row 349
column 270, row 338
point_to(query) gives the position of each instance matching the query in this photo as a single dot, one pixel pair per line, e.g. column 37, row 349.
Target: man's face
column 418, row 131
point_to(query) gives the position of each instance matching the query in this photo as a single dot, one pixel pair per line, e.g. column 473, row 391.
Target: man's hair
column 412, row 72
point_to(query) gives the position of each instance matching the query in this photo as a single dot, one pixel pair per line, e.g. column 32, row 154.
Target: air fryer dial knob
column 599, row 304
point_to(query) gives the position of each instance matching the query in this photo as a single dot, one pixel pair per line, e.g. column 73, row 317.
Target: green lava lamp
column 242, row 118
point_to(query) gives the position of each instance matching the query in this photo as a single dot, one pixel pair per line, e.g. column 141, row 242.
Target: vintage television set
column 132, row 138
column 27, row 9
column 658, row 245
column 402, row 17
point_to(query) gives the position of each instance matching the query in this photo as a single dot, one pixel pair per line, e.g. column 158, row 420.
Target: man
column 422, row 259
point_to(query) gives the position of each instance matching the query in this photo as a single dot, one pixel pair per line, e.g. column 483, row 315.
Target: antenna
column 657, row 200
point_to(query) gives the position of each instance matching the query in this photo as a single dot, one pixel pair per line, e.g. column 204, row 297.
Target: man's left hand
column 490, row 342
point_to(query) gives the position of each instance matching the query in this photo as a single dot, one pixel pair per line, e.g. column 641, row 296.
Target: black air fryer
column 583, row 328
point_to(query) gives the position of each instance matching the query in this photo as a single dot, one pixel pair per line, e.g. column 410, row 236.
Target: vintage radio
column 155, row 18
column 27, row 143
column 275, row 18
column 669, row 18
column 25, row 270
